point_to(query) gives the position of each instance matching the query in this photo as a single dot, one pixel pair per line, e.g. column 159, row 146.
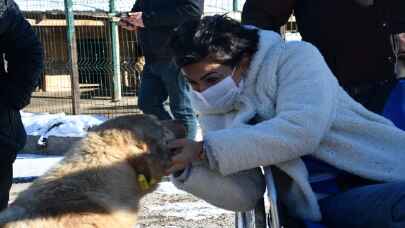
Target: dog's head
column 145, row 139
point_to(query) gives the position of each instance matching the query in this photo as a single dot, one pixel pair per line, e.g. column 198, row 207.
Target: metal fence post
column 115, row 50
column 236, row 5
column 72, row 56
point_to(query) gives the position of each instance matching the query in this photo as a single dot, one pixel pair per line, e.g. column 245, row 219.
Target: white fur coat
column 303, row 110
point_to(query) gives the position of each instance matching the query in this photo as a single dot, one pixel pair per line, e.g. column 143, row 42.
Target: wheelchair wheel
column 255, row 218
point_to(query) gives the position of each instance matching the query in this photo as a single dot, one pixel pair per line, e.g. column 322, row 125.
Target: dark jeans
column 161, row 80
column 371, row 206
column 371, row 95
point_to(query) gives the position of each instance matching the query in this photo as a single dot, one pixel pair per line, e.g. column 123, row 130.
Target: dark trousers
column 12, row 139
column 372, row 95
column 6, row 179
column 379, row 205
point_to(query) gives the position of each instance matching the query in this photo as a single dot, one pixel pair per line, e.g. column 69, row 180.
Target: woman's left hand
column 187, row 151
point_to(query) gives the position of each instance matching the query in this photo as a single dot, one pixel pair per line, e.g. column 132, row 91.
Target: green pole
column 115, row 50
column 235, row 5
column 72, row 56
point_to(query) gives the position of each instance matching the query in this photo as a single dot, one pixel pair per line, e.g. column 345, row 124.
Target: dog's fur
column 96, row 185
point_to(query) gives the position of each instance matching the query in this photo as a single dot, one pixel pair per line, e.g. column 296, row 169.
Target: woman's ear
column 245, row 62
column 175, row 126
column 242, row 67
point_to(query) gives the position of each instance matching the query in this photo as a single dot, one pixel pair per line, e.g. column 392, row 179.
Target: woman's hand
column 187, row 151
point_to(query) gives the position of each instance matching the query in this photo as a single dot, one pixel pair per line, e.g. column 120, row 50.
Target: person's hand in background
column 131, row 21
column 136, row 18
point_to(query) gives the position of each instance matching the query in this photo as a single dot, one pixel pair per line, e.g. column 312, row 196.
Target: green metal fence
column 107, row 62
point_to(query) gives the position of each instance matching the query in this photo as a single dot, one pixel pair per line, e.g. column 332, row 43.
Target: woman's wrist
column 208, row 157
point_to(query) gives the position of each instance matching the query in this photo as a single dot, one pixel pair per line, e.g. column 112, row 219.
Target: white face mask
column 218, row 98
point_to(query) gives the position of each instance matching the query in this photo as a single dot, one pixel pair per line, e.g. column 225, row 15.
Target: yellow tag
column 143, row 182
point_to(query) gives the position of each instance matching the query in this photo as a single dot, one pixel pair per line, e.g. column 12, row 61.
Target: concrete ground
column 55, row 102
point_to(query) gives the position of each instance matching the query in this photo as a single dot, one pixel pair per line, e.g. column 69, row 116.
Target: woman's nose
column 201, row 87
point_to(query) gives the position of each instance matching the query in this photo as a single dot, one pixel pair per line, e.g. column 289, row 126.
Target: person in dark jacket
column 162, row 79
column 21, row 63
column 354, row 36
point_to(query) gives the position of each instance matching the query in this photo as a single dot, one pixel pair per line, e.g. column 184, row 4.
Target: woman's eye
column 191, row 82
column 212, row 81
column 193, row 85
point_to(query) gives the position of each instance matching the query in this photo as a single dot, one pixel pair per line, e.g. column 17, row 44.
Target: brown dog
column 101, row 179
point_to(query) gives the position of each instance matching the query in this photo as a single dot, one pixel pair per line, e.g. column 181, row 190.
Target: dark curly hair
column 218, row 37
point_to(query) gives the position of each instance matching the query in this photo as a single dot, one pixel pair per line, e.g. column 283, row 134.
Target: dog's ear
column 176, row 126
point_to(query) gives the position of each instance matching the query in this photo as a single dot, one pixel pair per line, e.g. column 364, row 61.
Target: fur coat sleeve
column 237, row 192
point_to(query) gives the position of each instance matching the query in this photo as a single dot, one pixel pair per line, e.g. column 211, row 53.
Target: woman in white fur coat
column 263, row 102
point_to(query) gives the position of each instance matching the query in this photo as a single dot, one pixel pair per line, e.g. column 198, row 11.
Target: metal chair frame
column 249, row 219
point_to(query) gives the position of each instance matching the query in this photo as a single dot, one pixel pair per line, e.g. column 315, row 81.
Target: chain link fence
column 95, row 54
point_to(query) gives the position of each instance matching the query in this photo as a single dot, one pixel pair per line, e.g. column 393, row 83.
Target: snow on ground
column 65, row 125
column 169, row 189
column 30, row 165
column 170, row 207
column 196, row 210
column 189, row 210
